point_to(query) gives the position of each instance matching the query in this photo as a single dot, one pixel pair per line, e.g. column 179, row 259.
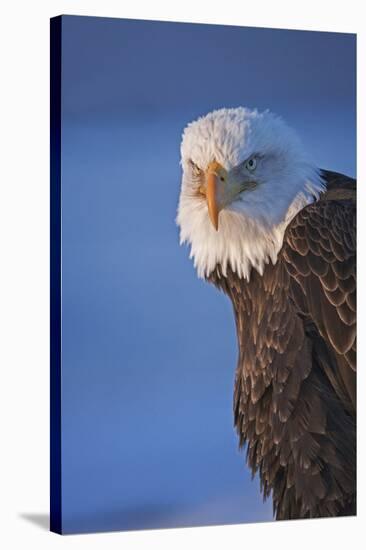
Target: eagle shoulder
column 319, row 254
column 338, row 186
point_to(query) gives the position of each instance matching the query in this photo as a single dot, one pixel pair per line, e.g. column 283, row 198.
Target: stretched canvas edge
column 55, row 275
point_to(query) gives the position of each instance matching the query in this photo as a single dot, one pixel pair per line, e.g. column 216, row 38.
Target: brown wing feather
column 323, row 281
column 339, row 186
column 319, row 254
column 294, row 397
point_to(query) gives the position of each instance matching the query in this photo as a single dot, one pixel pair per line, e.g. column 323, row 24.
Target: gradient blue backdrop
column 148, row 350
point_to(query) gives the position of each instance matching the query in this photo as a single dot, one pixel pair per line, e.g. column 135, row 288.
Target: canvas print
column 203, row 274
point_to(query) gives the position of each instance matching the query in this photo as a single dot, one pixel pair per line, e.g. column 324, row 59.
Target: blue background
column 148, row 350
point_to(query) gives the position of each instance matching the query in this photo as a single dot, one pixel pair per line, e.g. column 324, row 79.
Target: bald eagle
column 277, row 236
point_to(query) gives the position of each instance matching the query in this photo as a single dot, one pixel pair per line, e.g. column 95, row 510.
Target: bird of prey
column 277, row 236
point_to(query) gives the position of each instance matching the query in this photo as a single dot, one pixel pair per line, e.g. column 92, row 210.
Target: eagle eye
column 251, row 164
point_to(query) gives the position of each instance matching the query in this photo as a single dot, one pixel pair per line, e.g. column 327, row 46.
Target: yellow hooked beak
column 212, row 175
column 219, row 191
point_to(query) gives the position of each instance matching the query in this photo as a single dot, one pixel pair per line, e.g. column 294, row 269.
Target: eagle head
column 245, row 175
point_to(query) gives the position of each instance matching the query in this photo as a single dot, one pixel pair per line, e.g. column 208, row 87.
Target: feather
column 294, row 397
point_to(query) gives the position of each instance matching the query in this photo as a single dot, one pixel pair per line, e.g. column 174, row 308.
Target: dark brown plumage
column 295, row 386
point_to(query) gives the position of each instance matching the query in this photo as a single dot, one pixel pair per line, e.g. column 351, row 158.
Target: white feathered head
column 245, row 175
